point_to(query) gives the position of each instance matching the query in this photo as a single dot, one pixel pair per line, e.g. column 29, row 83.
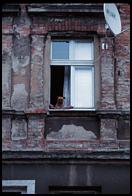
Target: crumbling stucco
column 72, row 132
column 6, row 70
column 108, row 130
column 37, row 58
column 6, row 128
column 19, row 97
column 22, row 23
column 21, row 53
column 19, row 129
column 18, row 63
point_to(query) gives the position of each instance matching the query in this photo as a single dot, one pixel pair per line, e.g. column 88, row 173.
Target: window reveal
column 72, row 72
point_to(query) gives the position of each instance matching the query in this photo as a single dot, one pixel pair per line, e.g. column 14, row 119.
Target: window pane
column 82, row 87
column 60, row 50
column 83, row 51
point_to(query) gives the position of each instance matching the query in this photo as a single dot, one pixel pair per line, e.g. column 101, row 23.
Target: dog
column 60, row 104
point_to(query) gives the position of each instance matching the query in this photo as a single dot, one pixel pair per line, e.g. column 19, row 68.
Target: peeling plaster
column 108, row 129
column 72, row 132
column 23, row 72
column 19, row 97
column 5, row 77
column 19, row 129
column 19, row 63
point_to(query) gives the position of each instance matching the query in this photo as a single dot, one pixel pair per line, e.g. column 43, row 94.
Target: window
column 18, row 186
column 72, row 72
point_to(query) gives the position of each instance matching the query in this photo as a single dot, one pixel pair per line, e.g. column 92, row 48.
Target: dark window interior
column 57, row 82
column 9, row 192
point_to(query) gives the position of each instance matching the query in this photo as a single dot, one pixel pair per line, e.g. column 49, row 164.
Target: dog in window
column 60, row 104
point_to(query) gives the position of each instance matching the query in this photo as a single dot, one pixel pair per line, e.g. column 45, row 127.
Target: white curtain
column 66, row 87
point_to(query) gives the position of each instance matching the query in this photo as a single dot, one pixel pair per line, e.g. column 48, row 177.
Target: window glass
column 83, row 51
column 60, row 50
column 82, row 87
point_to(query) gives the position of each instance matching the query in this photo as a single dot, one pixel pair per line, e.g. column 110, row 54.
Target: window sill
column 72, row 112
column 74, row 109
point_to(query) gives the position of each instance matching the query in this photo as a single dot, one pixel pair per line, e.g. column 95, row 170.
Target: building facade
column 81, row 145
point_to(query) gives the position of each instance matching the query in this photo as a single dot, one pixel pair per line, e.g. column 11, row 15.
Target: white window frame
column 29, row 184
column 75, row 63
column 70, row 61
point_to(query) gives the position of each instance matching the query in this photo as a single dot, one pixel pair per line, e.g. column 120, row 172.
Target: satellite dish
column 112, row 17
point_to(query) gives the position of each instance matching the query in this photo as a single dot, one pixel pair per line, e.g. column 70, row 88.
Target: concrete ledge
column 65, row 7
column 109, row 154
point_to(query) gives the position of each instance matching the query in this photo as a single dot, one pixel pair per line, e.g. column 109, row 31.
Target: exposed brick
column 19, row 129
column 107, row 78
column 18, row 145
column 123, row 75
column 39, row 29
column 6, row 129
column 35, row 133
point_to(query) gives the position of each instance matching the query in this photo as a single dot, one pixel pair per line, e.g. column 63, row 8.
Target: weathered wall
column 122, row 53
column 24, row 79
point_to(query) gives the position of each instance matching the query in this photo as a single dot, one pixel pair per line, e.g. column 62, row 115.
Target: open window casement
column 75, row 58
column 82, row 87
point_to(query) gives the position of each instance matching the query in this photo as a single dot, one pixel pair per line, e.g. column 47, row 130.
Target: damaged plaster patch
column 21, row 53
column 72, row 132
column 19, row 62
column 108, row 129
column 19, row 129
column 19, row 97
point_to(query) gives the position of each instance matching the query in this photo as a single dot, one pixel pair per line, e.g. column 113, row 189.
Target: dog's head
column 60, row 99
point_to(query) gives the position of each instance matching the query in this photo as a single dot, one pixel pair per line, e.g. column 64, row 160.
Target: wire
column 120, row 33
